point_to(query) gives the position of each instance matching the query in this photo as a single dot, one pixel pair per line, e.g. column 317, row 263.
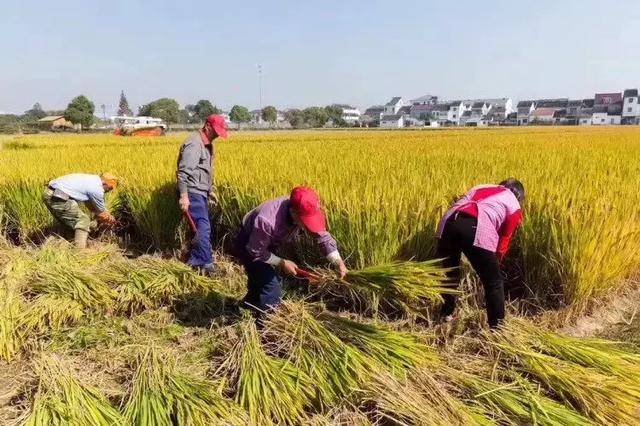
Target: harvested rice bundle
column 149, row 282
column 603, row 355
column 405, row 287
column 161, row 395
column 335, row 368
column 50, row 312
column 272, row 390
column 62, row 400
column 514, row 403
column 602, row 397
column 80, row 284
column 419, row 401
column 395, row 350
column 11, row 307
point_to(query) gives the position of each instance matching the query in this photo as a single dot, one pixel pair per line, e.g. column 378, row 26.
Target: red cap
column 306, row 203
column 217, row 122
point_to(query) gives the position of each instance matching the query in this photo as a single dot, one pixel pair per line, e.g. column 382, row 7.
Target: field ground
column 110, row 336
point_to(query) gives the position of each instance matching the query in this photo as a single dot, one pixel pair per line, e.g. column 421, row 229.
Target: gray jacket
column 194, row 166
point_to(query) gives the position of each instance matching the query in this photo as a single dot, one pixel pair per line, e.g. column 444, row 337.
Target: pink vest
column 492, row 212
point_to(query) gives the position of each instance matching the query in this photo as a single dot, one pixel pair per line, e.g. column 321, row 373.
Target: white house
column 506, row 103
column 392, row 120
column 456, row 109
column 585, row 116
column 603, row 116
column 543, row 116
column 631, row 107
column 525, row 108
column 393, row 106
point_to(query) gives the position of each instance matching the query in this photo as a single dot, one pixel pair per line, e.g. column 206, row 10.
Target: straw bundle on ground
column 514, row 403
column 335, row 368
column 419, row 401
column 272, row 390
column 395, row 350
column 602, row 397
column 406, row 287
column 62, row 400
column 163, row 396
column 50, row 312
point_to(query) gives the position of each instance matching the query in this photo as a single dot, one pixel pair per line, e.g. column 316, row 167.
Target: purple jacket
column 267, row 227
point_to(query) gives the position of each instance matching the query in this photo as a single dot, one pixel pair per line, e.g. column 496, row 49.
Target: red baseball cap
column 307, row 205
column 217, row 122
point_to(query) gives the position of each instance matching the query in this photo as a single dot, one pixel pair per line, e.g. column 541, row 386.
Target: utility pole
column 260, row 84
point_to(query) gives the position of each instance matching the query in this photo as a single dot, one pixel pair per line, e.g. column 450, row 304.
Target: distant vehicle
column 139, row 126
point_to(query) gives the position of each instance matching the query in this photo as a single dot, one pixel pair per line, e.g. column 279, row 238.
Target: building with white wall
column 392, row 120
column 631, row 107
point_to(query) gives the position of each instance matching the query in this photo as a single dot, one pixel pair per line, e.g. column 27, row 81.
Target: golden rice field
column 384, row 191
column 111, row 336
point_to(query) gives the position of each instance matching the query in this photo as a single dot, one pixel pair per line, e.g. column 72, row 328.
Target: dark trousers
column 201, row 253
column 264, row 286
column 457, row 238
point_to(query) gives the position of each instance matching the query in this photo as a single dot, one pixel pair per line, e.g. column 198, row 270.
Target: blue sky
column 359, row 52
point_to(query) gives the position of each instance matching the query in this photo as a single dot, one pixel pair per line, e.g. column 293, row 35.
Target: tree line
column 81, row 111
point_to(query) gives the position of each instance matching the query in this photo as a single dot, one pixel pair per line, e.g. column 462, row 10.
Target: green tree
column 164, row 108
column 123, row 106
column 315, row 116
column 240, row 114
column 335, row 114
column 295, row 117
column 80, row 111
column 35, row 113
column 204, row 108
column 270, row 114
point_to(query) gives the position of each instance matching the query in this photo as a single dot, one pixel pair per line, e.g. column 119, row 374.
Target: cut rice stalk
column 161, row 395
column 62, row 400
column 604, row 398
column 272, row 390
column 50, row 312
column 515, row 403
column 395, row 350
column 335, row 368
column 406, row 287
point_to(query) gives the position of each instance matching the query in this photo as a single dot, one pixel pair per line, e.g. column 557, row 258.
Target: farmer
column 266, row 229
column 194, row 177
column 63, row 195
column 480, row 225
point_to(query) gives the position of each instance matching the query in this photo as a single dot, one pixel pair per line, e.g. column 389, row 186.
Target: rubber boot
column 80, row 239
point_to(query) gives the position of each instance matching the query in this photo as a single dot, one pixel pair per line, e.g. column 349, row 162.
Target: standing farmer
column 195, row 176
column 266, row 229
column 63, row 195
column 480, row 225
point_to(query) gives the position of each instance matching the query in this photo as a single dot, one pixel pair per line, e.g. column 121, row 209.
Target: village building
column 631, row 107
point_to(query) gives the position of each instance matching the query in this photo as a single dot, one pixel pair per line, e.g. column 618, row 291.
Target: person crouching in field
column 265, row 229
column 480, row 225
column 63, row 196
column 195, row 180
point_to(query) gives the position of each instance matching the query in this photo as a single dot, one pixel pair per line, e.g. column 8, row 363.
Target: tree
column 315, row 116
column 80, row 111
column 203, row 108
column 164, row 108
column 123, row 106
column 335, row 114
column 270, row 114
column 295, row 117
column 35, row 113
column 240, row 114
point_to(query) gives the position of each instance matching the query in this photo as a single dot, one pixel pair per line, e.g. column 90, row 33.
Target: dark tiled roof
column 374, row 110
column 588, row 103
column 477, row 105
column 405, row 110
column 524, row 104
column 389, row 117
column 442, row 107
column 575, row 103
column 552, row 103
column 394, row 100
column 630, row 93
column 421, row 107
